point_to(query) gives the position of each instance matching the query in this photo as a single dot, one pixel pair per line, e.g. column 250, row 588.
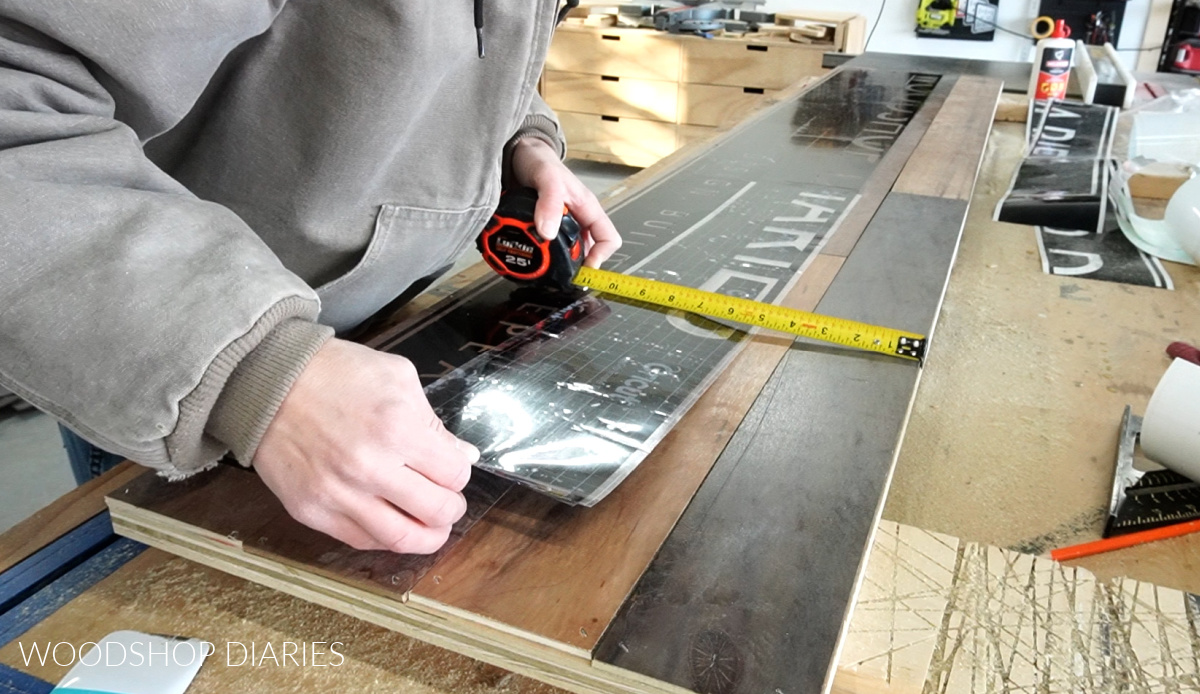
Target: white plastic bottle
column 1052, row 64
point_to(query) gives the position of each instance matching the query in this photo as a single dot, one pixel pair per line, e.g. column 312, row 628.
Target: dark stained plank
column 749, row 592
column 225, row 503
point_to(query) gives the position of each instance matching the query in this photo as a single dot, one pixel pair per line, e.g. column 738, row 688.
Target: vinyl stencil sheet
column 567, row 394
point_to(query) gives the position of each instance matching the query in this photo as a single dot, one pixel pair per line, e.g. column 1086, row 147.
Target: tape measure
column 512, row 247
column 849, row 333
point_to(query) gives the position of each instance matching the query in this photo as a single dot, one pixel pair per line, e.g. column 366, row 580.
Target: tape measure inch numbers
column 849, row 333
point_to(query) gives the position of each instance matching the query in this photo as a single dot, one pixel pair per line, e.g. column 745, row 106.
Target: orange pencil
column 1122, row 541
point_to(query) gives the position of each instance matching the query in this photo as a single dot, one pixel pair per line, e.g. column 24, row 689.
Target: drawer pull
column 610, row 37
column 757, row 48
column 752, row 90
column 612, row 119
column 609, row 78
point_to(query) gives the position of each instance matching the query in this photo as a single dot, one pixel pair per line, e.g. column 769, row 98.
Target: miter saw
column 703, row 17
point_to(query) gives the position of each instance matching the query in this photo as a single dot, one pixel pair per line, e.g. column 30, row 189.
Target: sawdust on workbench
column 1012, row 439
column 157, row 593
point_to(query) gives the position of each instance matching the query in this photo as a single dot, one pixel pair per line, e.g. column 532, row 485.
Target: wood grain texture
column 231, row 508
column 536, row 566
column 947, row 161
column 609, row 95
column 534, row 585
column 159, row 593
column 783, row 512
column 66, row 512
column 632, row 141
column 711, row 105
column 285, row 540
column 765, row 64
column 564, row 572
column 614, row 51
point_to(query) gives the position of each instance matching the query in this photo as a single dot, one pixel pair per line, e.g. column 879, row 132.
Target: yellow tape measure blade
column 840, row 331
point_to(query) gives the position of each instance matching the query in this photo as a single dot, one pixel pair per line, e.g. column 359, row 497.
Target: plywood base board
column 466, row 634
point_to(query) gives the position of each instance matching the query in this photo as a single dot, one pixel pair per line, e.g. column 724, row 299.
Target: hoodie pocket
column 408, row 243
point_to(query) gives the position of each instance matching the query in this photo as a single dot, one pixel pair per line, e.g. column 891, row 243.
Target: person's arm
column 125, row 301
column 534, row 158
column 160, row 327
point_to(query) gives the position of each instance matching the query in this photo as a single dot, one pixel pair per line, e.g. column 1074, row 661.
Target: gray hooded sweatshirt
column 195, row 193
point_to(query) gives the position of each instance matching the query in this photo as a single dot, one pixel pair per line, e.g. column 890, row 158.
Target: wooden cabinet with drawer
column 633, row 96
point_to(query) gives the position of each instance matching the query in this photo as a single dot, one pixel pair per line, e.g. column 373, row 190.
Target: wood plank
column 483, row 640
column 231, row 508
column 782, row 511
column 947, row 161
column 595, row 555
column 64, row 513
column 480, row 602
column 491, row 599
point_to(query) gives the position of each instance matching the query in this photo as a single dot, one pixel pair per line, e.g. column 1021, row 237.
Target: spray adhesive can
column 1052, row 64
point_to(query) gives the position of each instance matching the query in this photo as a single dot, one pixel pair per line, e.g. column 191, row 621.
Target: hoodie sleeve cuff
column 542, row 127
column 261, row 381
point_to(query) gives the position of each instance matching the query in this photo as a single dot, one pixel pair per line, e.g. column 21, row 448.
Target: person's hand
column 536, row 165
column 356, row 452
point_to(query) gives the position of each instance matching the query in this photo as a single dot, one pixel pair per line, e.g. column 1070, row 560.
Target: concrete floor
column 33, row 464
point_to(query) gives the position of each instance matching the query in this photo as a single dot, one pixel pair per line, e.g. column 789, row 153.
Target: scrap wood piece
column 940, row 614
